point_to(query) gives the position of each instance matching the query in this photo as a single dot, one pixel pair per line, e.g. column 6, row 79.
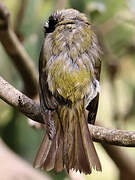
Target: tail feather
column 88, row 144
column 59, row 149
column 72, row 160
column 82, row 163
column 72, row 146
column 49, row 163
column 59, row 156
column 42, row 152
column 50, row 153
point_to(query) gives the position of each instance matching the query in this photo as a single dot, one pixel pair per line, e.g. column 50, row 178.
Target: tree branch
column 18, row 100
column 16, row 51
column 32, row 110
column 113, row 136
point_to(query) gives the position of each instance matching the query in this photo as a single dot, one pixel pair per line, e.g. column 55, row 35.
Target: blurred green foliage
column 116, row 21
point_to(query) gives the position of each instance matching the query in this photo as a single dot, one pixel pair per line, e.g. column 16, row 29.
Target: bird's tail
column 72, row 146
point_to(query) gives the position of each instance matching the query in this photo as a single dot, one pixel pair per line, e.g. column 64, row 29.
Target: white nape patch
column 94, row 89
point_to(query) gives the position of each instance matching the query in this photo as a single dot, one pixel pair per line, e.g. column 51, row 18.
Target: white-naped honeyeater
column 69, row 73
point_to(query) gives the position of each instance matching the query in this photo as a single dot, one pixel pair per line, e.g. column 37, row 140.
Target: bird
column 69, row 87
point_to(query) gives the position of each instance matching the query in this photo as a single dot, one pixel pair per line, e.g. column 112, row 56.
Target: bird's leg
column 49, row 123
